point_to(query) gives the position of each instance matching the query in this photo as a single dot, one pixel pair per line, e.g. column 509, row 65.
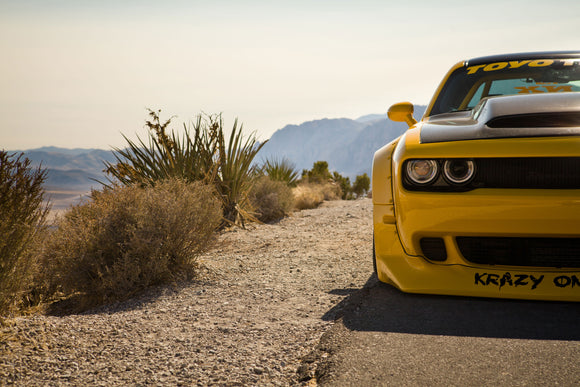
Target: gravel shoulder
column 267, row 296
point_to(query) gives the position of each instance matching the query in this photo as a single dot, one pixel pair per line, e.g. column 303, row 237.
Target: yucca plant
column 200, row 154
column 164, row 156
column 281, row 170
column 236, row 172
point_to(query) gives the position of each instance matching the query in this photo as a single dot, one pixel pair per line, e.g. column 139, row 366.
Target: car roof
column 522, row 56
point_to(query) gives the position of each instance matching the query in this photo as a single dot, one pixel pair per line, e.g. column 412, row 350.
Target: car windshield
column 467, row 85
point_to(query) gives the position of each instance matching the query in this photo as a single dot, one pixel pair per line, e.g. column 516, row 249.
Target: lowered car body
column 481, row 197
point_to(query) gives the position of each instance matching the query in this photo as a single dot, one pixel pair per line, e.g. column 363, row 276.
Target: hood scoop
column 537, row 120
column 533, row 115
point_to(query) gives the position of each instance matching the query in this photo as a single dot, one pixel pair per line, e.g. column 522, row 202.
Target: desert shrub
column 271, row 199
column 308, row 195
column 128, row 238
column 22, row 218
column 281, row 170
column 344, row 184
column 317, row 185
column 332, row 185
column 319, row 173
column 330, row 191
column 200, row 154
column 361, row 184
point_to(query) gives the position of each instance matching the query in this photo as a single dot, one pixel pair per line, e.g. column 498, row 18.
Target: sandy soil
column 268, row 295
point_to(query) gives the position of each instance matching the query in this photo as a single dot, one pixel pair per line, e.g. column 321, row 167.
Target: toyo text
column 517, row 64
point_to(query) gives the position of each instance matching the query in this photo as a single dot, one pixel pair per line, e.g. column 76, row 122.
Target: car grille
column 512, row 172
column 540, row 252
column 434, row 249
column 530, row 172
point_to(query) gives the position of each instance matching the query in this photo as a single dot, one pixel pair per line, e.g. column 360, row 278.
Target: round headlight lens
column 422, row 172
column 459, row 171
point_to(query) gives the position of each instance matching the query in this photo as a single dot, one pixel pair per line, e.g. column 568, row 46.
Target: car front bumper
column 410, row 272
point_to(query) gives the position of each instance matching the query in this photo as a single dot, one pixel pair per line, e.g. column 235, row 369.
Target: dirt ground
column 267, row 296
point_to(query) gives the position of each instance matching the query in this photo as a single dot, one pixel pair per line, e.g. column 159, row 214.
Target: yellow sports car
column 481, row 197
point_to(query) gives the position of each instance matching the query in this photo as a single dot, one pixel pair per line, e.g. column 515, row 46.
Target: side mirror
column 402, row 112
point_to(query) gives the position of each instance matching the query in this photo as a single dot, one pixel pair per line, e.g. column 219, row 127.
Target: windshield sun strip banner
column 516, row 64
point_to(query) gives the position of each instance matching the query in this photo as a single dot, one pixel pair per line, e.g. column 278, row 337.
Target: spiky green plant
column 164, row 156
column 200, row 154
column 236, row 172
column 281, row 170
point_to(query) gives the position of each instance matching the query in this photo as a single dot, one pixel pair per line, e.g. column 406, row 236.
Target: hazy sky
column 78, row 73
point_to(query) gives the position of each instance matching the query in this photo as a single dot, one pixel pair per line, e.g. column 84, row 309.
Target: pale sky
column 78, row 73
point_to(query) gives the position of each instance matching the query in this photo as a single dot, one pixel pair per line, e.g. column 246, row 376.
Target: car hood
column 530, row 115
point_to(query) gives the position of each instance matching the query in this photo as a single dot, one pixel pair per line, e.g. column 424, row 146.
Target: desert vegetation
column 165, row 198
column 22, row 219
column 126, row 239
column 319, row 184
column 270, row 199
column 282, row 170
column 200, row 154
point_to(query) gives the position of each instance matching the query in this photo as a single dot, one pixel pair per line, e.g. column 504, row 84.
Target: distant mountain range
column 347, row 145
column 71, row 169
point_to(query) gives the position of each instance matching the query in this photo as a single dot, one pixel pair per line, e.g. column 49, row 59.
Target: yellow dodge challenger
column 481, row 197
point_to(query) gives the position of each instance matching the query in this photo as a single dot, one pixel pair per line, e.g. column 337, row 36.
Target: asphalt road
column 387, row 337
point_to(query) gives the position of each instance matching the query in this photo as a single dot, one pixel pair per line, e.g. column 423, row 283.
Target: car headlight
column 422, row 172
column 458, row 171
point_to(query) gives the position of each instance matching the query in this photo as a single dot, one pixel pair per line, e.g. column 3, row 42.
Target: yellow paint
column 402, row 112
column 417, row 275
column 402, row 218
column 381, row 183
